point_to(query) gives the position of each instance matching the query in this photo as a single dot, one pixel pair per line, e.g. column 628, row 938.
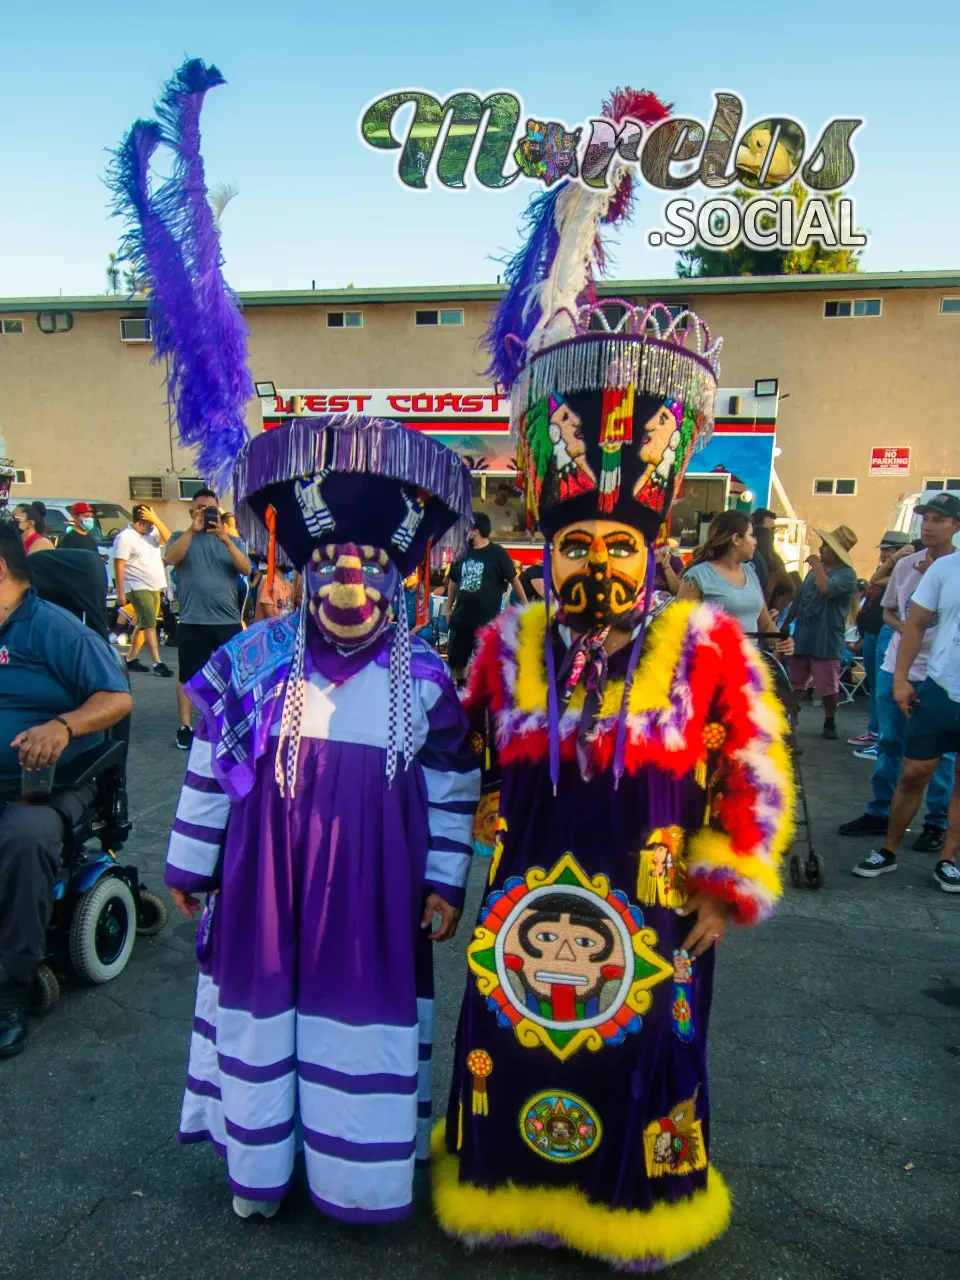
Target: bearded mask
column 351, row 589
column 598, row 574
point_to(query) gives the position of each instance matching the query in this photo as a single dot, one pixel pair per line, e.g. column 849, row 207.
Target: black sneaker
column 866, row 825
column 947, row 876
column 829, row 731
column 134, row 664
column 14, row 1002
column 880, row 861
column 184, row 737
column 930, row 840
column 161, row 669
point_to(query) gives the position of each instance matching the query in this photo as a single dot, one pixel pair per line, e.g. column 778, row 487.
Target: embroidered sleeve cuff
column 448, row 892
column 188, row 881
column 749, row 883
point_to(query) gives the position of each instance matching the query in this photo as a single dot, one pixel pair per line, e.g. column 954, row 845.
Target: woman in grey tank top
column 721, row 574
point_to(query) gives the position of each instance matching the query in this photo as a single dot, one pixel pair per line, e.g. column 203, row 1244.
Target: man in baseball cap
column 944, row 504
column 79, row 535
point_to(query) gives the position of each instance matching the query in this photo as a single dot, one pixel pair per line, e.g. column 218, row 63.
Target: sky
column 315, row 203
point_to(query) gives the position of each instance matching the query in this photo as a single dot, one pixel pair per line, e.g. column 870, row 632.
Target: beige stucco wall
column 84, row 411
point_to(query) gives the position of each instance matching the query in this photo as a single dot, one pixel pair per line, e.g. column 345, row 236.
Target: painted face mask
column 598, row 575
column 351, row 589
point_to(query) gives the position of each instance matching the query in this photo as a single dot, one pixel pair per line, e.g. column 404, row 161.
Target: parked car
column 110, row 518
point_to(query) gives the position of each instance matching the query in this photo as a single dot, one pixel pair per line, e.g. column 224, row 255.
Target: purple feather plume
column 515, row 318
column 173, row 240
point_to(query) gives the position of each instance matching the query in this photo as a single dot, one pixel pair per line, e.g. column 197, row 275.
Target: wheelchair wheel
column 103, row 931
column 45, row 991
column 152, row 915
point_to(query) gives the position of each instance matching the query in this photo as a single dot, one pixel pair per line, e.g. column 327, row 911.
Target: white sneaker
column 248, row 1208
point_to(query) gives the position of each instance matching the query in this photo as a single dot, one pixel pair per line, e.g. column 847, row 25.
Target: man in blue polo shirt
column 60, row 688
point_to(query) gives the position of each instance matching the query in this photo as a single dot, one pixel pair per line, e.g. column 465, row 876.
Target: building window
column 453, row 315
column 136, row 330
column 54, row 321
column 11, row 326
column 188, row 486
column 838, row 488
column 950, row 306
column 675, row 310
column 344, row 319
column 23, row 477
column 858, row 307
column 146, row 488
column 950, row 483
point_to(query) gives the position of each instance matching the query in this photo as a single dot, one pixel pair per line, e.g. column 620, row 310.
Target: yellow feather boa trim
column 667, row 1231
column 650, row 690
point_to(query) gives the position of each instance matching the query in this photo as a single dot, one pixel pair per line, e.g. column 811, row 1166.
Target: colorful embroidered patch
column 674, row 1144
column 560, row 1126
column 500, row 831
column 480, row 1066
column 662, row 869
column 682, row 1007
column 485, row 824
column 4, row 656
column 565, row 960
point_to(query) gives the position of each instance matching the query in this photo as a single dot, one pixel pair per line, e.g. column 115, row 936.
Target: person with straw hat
column 646, row 796
column 822, row 605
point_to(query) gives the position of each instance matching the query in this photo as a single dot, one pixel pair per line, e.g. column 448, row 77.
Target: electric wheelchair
column 100, row 905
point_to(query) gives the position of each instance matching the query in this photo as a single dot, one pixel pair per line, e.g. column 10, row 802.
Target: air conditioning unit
column 139, row 330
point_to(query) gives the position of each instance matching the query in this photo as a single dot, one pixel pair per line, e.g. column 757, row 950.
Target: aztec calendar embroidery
column 564, row 960
column 674, row 1144
column 560, row 1126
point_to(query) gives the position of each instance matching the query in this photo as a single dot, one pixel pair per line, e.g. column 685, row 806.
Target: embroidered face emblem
column 674, row 1144
column 598, row 571
column 560, row 1127
column 564, row 960
column 350, row 591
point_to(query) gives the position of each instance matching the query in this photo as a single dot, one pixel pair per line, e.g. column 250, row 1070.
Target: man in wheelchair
column 60, row 689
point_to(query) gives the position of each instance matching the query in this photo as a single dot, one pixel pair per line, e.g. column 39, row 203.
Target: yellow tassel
column 480, row 1066
column 700, row 773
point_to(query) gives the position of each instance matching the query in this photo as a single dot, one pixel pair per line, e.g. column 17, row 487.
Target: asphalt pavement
column 835, row 1064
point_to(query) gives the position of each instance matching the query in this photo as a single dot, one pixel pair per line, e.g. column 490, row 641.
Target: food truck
column 734, row 469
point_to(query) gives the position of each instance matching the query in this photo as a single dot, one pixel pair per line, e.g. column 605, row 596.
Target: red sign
column 890, row 462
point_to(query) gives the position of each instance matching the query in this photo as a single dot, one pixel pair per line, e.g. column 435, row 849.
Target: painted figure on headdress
column 615, row 870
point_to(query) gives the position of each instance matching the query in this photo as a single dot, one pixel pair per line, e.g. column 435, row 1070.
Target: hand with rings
column 710, row 926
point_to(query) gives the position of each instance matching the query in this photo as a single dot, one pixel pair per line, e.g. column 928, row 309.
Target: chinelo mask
column 599, row 568
column 350, row 589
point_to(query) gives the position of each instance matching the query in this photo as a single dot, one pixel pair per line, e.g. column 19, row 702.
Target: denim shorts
column 933, row 729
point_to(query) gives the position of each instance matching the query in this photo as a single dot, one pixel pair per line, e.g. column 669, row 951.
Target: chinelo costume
column 579, row 1114
column 329, row 797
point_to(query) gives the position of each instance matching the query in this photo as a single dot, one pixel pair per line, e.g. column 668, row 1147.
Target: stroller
column 100, row 906
column 810, row 871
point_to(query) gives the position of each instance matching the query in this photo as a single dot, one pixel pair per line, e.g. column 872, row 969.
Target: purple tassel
column 514, row 316
column 553, row 697
column 620, row 750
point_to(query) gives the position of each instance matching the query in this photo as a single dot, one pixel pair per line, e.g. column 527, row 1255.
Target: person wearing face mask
column 327, row 813
column 645, row 802
column 29, row 519
column 79, row 535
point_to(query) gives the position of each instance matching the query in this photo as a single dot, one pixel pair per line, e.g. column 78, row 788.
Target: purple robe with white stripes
column 314, row 1009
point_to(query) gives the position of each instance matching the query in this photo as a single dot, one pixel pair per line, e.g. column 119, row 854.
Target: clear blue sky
column 315, row 203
